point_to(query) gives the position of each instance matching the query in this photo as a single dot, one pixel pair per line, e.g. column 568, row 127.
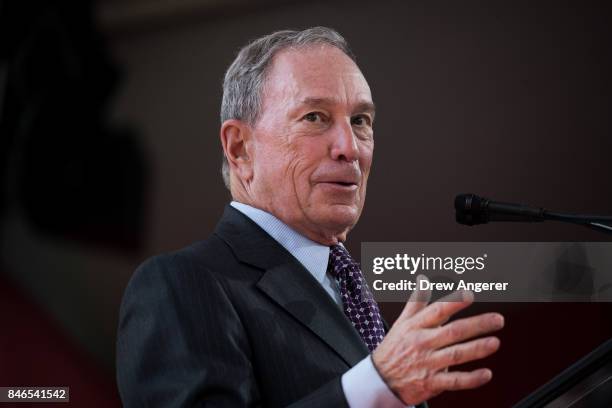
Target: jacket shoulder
column 202, row 258
column 176, row 321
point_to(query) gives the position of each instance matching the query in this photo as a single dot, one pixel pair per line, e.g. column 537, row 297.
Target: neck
column 321, row 235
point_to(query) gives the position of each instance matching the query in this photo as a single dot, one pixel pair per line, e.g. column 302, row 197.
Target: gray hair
column 245, row 77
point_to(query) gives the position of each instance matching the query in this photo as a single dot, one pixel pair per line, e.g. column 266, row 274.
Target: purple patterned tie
column 357, row 300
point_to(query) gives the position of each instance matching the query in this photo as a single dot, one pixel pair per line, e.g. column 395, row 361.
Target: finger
column 464, row 352
column 439, row 312
column 463, row 329
column 460, row 380
column 458, row 296
column 417, row 301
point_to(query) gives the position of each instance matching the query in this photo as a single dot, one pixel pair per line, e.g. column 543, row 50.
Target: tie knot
column 340, row 260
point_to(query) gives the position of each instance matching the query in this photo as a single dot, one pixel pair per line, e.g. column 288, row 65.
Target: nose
column 344, row 144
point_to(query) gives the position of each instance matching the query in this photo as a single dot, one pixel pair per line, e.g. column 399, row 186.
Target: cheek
column 271, row 155
column 365, row 161
column 305, row 156
column 269, row 167
column 279, row 171
column 300, row 181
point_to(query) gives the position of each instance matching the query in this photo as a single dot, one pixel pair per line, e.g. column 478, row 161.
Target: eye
column 361, row 120
column 314, row 117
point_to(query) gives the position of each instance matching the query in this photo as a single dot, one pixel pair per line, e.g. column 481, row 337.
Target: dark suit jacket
column 232, row 321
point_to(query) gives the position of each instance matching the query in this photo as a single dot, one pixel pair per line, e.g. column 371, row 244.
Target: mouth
column 341, row 185
column 345, row 180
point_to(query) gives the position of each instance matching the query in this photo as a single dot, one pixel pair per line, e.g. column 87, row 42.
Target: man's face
column 313, row 142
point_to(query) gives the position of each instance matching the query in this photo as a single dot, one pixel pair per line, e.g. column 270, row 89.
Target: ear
column 236, row 138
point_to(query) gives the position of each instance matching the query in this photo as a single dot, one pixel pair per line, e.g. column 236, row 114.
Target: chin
column 340, row 216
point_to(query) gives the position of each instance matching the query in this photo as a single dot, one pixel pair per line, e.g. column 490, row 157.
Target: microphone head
column 470, row 209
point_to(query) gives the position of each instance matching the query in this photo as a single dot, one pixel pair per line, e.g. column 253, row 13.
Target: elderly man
column 271, row 310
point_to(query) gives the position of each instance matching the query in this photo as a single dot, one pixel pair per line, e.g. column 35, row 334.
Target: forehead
column 318, row 71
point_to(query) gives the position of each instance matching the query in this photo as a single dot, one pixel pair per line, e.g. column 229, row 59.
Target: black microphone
column 471, row 209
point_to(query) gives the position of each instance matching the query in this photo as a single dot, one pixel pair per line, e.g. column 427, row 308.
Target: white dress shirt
column 362, row 385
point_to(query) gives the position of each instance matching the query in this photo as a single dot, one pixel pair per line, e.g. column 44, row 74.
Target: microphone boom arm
column 473, row 210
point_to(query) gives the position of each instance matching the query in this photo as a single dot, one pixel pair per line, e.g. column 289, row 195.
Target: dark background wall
column 506, row 99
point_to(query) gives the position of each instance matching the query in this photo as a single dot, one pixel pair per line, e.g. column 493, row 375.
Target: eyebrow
column 362, row 106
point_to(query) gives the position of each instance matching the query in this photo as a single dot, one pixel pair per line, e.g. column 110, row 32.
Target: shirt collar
column 312, row 255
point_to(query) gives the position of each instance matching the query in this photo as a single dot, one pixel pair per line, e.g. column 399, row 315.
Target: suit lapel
column 291, row 286
column 304, row 298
